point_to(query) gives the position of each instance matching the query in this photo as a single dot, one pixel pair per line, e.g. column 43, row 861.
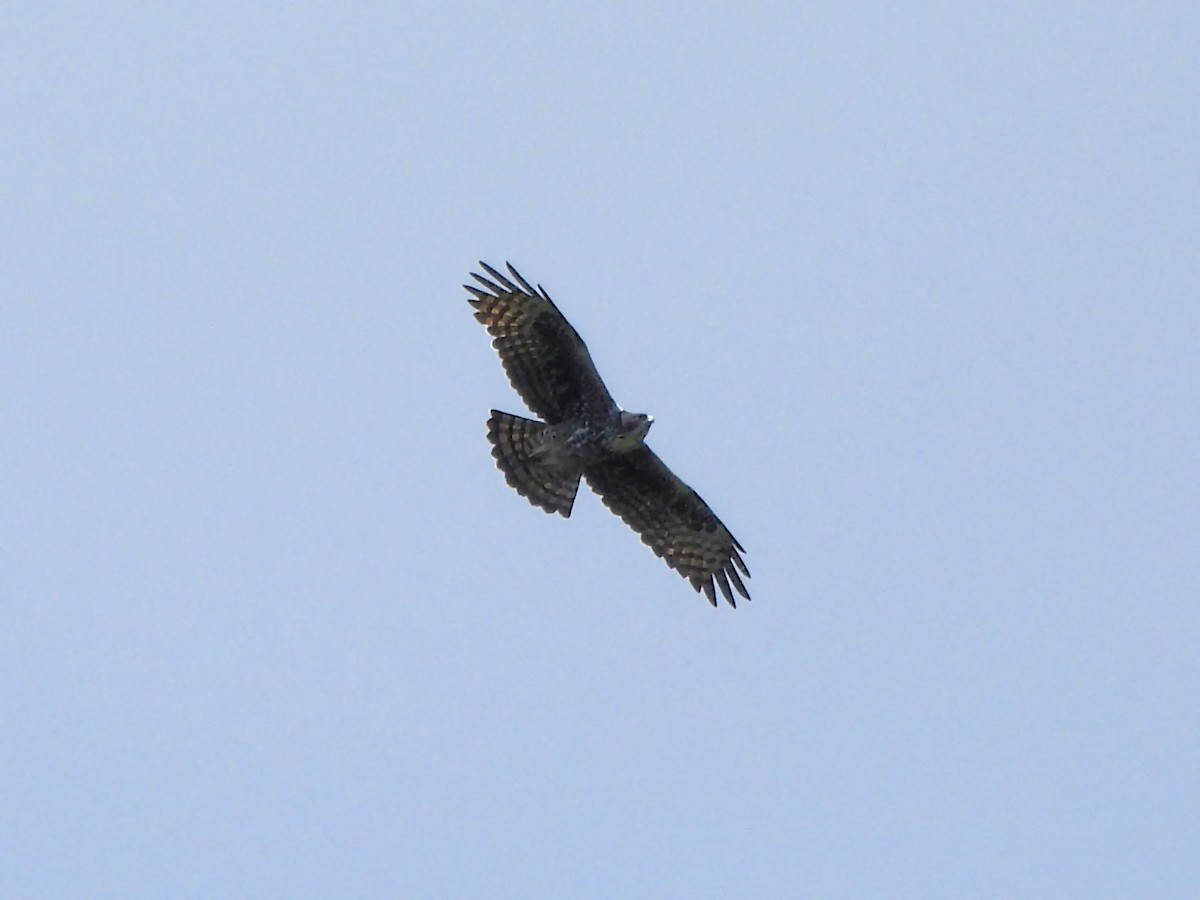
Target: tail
column 518, row 449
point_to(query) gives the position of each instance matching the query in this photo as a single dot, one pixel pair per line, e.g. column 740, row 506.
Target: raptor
column 582, row 432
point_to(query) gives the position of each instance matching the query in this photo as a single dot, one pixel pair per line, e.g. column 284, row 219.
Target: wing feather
column 673, row 521
column 544, row 357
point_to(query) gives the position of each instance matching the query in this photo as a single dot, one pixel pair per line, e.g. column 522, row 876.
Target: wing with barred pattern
column 544, row 357
column 673, row 520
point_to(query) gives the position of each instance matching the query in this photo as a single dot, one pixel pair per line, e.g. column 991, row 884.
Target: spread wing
column 544, row 357
column 672, row 519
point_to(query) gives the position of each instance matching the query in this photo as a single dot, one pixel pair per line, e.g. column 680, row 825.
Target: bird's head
column 631, row 430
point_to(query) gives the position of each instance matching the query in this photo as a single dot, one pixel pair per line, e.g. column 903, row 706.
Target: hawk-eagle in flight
column 585, row 433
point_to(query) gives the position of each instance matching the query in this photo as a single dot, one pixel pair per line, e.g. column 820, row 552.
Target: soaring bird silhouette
column 585, row 433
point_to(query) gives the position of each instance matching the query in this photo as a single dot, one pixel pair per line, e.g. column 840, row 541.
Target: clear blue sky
column 913, row 294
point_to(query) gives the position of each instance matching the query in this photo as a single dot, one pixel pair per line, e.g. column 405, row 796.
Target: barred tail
column 517, row 446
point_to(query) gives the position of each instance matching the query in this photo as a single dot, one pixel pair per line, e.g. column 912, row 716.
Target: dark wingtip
column 738, row 561
column 478, row 297
column 507, row 285
column 723, row 584
column 524, row 285
column 493, row 290
column 737, row 581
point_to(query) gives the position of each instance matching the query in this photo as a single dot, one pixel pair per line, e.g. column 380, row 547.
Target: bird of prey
column 585, row 433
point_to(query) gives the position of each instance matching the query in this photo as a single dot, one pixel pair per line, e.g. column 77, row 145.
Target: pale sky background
column 913, row 293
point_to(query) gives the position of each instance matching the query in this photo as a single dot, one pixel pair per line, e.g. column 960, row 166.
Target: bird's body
column 586, row 434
